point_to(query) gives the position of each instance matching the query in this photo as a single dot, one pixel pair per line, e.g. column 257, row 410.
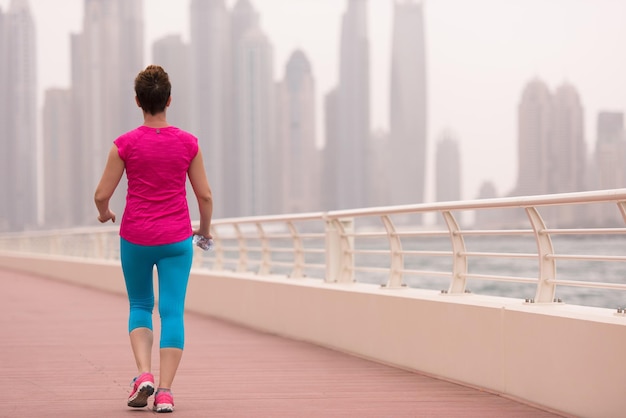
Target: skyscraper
column 243, row 18
column 610, row 152
column 552, row 155
column 408, row 105
column 106, row 57
column 378, row 163
column 568, row 154
column 447, row 169
column 131, row 51
column 60, row 203
column 299, row 165
column 535, row 132
column 551, row 148
column 353, row 97
column 249, row 151
column 211, row 95
column 4, row 121
column 18, row 137
column 258, row 192
column 330, row 153
column 610, row 161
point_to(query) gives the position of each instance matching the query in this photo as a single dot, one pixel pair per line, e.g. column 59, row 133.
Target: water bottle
column 203, row 242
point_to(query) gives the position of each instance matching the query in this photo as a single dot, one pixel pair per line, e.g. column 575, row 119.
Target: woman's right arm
column 202, row 190
column 111, row 177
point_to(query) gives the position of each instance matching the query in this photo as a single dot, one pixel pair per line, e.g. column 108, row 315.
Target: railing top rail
column 62, row 232
column 310, row 216
column 597, row 196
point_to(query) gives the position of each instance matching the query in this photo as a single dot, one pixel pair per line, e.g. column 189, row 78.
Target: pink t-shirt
column 156, row 163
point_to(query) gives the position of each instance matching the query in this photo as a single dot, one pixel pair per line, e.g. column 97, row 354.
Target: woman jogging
column 156, row 230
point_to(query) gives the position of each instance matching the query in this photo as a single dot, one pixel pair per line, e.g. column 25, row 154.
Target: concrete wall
column 561, row 357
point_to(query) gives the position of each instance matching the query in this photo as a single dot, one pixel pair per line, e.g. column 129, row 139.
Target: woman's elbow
column 205, row 198
column 100, row 197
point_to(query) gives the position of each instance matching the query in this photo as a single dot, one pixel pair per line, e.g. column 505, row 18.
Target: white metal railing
column 391, row 247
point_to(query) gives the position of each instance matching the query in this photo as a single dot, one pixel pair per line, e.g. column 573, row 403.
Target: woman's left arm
column 111, row 177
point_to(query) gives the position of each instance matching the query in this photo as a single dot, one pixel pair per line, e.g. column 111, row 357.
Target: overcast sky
column 480, row 55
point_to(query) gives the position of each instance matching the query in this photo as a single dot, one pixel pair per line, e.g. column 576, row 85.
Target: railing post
column 621, row 205
column 242, row 264
column 546, row 288
column 459, row 259
column 265, row 267
column 397, row 258
column 339, row 246
column 218, row 264
column 298, row 253
column 100, row 244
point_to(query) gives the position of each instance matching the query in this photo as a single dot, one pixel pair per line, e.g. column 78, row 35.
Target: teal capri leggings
column 173, row 263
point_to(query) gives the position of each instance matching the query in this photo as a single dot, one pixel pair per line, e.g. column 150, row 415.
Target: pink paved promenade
column 64, row 352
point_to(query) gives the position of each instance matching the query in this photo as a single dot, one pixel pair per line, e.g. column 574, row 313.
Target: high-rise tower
column 243, row 18
column 330, row 159
column 299, row 169
column 610, row 161
column 60, row 203
column 378, row 164
column 251, row 191
column 535, row 130
column 4, row 121
column 408, row 105
column 353, row 97
column 18, row 136
column 131, row 51
column 447, row 169
column 610, row 153
column 258, row 192
column 551, row 146
column 211, row 95
column 567, row 148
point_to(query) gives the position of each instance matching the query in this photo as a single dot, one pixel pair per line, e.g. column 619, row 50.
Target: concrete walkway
column 64, row 352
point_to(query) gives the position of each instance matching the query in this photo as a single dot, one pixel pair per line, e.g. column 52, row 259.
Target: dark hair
column 153, row 88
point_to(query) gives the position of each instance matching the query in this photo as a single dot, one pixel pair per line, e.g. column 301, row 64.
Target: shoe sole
column 140, row 398
column 164, row 407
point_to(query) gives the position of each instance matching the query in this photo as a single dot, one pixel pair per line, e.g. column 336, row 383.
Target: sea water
column 575, row 270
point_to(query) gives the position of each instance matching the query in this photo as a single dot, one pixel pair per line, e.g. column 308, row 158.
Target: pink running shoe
column 143, row 387
column 163, row 401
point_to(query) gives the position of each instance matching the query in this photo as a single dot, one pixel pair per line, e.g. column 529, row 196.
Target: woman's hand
column 108, row 216
column 204, row 234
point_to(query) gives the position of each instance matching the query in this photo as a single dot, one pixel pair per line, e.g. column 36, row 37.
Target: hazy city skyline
column 480, row 55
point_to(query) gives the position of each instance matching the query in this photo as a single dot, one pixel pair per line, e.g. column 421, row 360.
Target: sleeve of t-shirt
column 121, row 143
column 192, row 146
